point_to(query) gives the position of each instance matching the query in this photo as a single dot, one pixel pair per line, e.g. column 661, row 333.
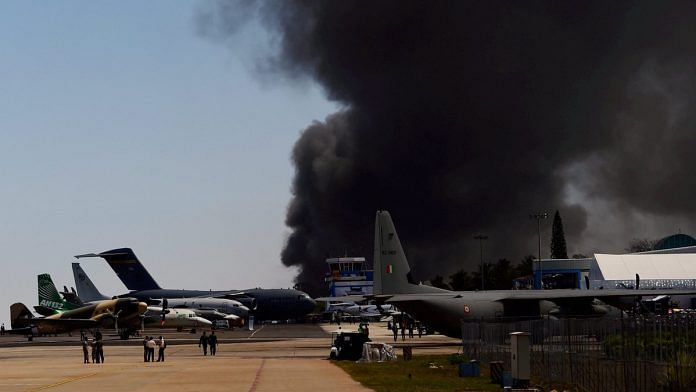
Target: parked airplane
column 362, row 311
column 122, row 314
column 173, row 318
column 209, row 308
column 266, row 304
column 53, row 305
column 154, row 316
column 444, row 309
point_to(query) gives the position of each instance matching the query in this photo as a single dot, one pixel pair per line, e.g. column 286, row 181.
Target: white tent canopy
column 648, row 266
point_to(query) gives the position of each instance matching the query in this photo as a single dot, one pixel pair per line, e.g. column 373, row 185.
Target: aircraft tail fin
column 20, row 315
column 49, row 298
column 392, row 274
column 86, row 290
column 128, row 268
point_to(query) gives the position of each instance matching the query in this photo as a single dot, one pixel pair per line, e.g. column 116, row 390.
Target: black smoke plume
column 463, row 117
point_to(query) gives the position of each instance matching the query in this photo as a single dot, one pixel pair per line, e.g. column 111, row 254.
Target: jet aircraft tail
column 49, row 298
column 86, row 290
column 20, row 316
column 392, row 272
column 128, row 268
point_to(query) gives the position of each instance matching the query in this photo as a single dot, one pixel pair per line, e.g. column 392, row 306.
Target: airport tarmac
column 272, row 358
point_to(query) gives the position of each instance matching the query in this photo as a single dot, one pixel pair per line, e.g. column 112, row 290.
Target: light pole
column 481, row 237
column 539, row 216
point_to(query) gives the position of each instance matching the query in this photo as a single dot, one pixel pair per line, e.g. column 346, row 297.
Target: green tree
column 558, row 242
column 462, row 280
column 524, row 268
column 439, row 281
column 641, row 245
column 501, row 275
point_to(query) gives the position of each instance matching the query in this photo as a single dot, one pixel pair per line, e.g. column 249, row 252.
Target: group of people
column 96, row 346
column 410, row 325
column 149, row 345
column 208, row 340
column 93, row 350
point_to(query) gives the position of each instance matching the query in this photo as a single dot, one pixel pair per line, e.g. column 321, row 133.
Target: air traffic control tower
column 348, row 276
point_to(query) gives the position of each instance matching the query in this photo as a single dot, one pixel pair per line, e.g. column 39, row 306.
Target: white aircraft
column 173, row 318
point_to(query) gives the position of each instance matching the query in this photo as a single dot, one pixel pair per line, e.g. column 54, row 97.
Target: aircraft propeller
column 115, row 317
column 165, row 304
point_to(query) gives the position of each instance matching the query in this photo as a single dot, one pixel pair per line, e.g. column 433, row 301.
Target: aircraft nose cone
column 203, row 322
column 309, row 304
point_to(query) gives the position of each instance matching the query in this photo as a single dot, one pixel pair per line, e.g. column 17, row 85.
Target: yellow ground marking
column 63, row 382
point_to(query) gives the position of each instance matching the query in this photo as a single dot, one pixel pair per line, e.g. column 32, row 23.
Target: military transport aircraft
column 211, row 309
column 123, row 314
column 154, row 316
column 444, row 309
column 266, row 304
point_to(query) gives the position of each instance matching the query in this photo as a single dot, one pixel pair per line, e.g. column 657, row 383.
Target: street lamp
column 481, row 237
column 539, row 216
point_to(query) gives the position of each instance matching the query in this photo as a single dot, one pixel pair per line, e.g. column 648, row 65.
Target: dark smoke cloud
column 464, row 117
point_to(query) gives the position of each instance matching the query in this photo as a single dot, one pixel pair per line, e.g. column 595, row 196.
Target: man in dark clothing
column 93, row 347
column 395, row 329
column 203, row 341
column 212, row 341
column 146, row 355
column 85, row 349
column 99, row 346
column 2, row 329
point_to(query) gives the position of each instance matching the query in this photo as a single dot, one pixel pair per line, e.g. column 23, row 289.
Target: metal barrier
column 634, row 353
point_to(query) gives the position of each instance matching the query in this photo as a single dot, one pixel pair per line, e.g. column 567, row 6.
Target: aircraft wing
column 561, row 295
column 356, row 298
column 227, row 295
column 47, row 325
column 345, row 298
column 549, row 295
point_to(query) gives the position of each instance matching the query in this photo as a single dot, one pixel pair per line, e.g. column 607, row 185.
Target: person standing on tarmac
column 212, row 341
column 151, row 349
column 93, row 346
column 203, row 341
column 85, row 349
column 145, row 350
column 162, row 345
column 99, row 346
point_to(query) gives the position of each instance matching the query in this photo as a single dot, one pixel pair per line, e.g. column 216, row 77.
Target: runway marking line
column 254, row 333
column 63, row 382
column 255, row 384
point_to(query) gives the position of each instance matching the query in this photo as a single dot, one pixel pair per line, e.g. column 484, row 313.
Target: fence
column 636, row 353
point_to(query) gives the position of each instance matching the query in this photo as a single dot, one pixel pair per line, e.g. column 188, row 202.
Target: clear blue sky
column 121, row 126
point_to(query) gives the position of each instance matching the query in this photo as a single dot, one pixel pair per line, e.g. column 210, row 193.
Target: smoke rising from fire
column 465, row 117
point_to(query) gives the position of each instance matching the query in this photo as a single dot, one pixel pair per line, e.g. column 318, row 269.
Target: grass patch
column 394, row 376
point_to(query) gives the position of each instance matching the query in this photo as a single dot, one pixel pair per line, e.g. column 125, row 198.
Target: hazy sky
column 123, row 127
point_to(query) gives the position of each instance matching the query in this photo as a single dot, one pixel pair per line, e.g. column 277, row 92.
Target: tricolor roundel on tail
column 392, row 272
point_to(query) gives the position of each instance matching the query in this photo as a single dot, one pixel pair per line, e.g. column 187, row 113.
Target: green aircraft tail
column 49, row 298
